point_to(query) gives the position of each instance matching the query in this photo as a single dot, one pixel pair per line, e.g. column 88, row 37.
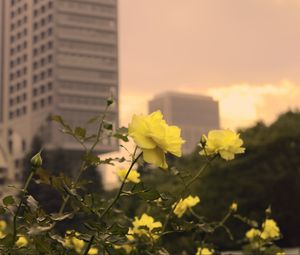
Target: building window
column 50, row 59
column 49, row 99
column 42, row 89
column 34, row 92
column 50, row 86
column 50, row 45
column 23, row 145
column 50, row 72
column 50, row 31
column 24, row 109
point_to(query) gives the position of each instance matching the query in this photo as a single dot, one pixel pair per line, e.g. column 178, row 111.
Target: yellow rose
column 252, row 233
column 280, row 253
column 134, row 175
column 145, row 226
column 152, row 134
column 183, row 204
column 21, row 241
column 204, row 251
column 226, row 143
column 270, row 229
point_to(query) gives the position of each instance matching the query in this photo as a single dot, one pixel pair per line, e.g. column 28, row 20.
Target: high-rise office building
column 57, row 57
column 194, row 114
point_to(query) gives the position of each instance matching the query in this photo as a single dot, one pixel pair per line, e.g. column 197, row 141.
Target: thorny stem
column 121, row 187
column 88, row 247
column 14, row 236
column 116, row 197
column 187, row 186
column 83, row 165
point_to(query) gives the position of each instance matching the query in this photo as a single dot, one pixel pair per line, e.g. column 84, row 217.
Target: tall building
column 57, row 57
column 194, row 114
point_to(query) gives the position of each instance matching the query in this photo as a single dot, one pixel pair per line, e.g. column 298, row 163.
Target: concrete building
column 194, row 114
column 57, row 57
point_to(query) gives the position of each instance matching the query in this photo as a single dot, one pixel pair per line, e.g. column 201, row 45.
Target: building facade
column 194, row 114
column 58, row 57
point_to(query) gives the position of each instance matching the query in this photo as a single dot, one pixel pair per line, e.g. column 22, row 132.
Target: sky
column 244, row 53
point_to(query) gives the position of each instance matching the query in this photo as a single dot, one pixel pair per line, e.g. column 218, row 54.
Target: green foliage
column 62, row 209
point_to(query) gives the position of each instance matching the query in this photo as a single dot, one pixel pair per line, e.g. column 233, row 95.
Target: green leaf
column 58, row 119
column 150, row 194
column 32, row 203
column 2, row 210
column 93, row 120
column 109, row 101
column 121, row 137
column 139, row 187
column 43, row 175
column 61, row 217
column 9, row 200
column 36, row 229
column 91, row 159
column 108, row 126
column 117, row 229
column 80, row 132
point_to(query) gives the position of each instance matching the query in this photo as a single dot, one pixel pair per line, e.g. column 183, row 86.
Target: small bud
column 37, row 161
column 202, row 142
column 234, row 207
column 268, row 211
column 109, row 101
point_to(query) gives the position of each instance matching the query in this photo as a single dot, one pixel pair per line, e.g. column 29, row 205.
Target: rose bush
column 26, row 228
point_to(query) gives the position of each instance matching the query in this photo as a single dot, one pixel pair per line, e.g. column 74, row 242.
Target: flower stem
column 88, row 247
column 186, row 187
column 14, row 235
column 115, row 200
column 121, row 187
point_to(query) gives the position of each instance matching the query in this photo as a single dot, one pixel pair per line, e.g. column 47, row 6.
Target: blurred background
column 205, row 64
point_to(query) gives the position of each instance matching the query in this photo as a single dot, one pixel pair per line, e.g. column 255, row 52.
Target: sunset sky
column 246, row 54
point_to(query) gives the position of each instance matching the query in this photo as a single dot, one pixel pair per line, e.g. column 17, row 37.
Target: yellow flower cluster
column 184, row 204
column 134, row 175
column 226, row 143
column 204, row 251
column 72, row 241
column 152, row 134
column 146, row 226
column 142, row 227
column 270, row 230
